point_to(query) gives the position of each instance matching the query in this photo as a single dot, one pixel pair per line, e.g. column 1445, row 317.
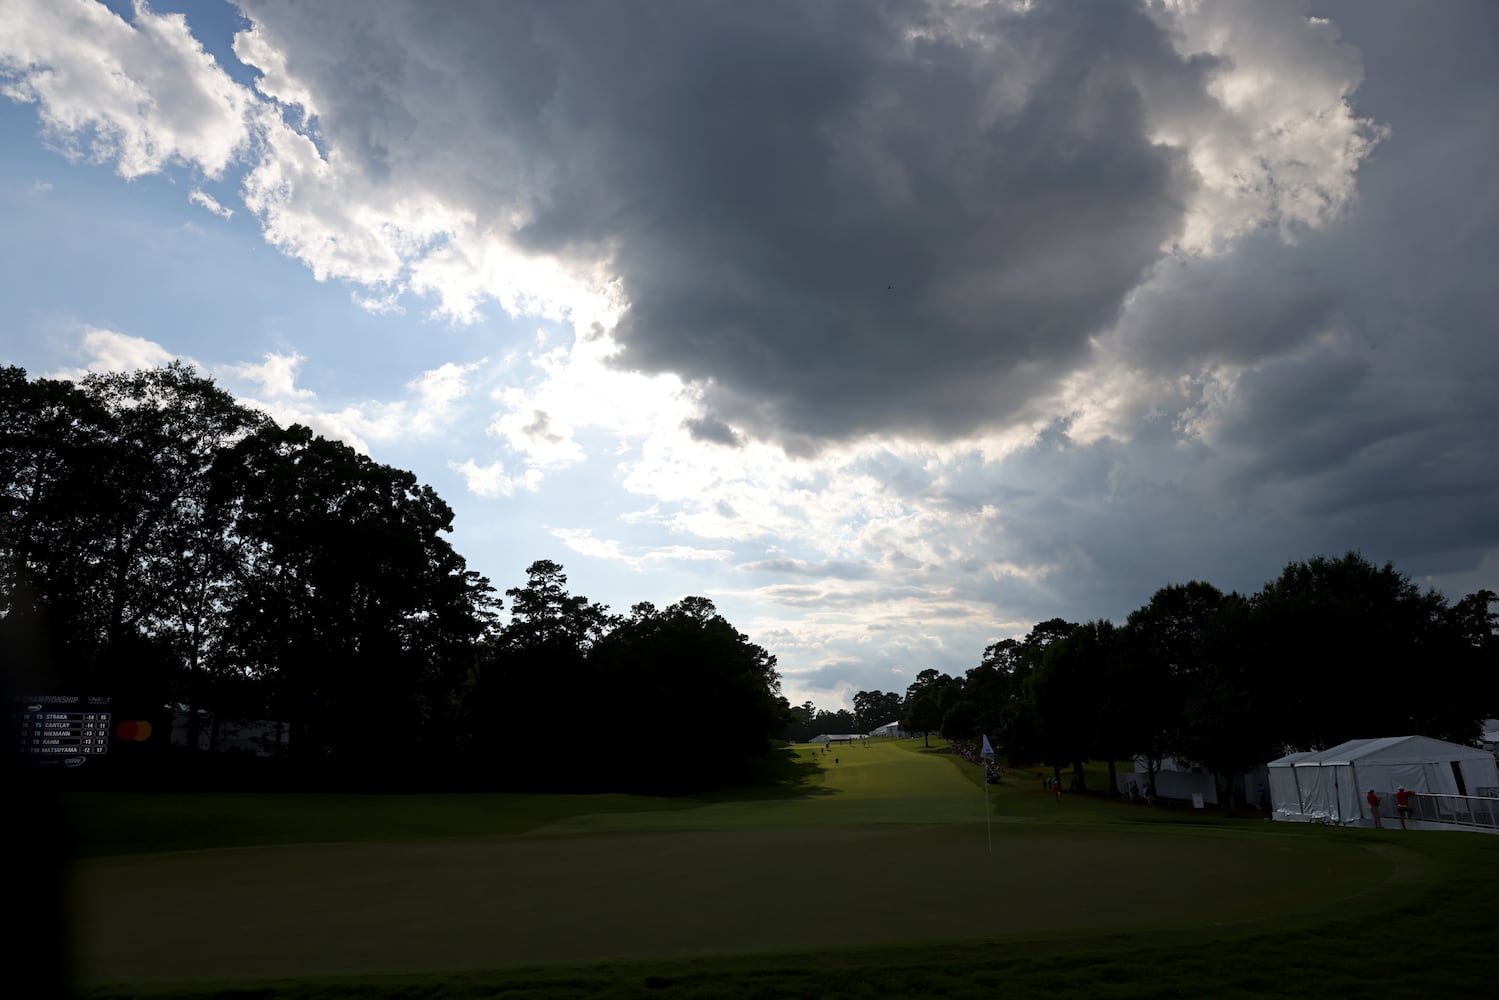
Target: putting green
column 892, row 850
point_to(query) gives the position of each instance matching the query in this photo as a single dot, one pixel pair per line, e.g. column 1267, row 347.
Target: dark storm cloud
column 713, row 431
column 841, row 218
column 1380, row 425
column 1260, row 299
column 849, row 235
column 831, row 676
column 1359, row 371
column 837, row 218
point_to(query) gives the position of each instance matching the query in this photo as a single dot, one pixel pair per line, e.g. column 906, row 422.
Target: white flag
column 988, row 751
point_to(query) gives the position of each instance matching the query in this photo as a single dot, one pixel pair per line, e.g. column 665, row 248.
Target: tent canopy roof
column 1290, row 758
column 1413, row 749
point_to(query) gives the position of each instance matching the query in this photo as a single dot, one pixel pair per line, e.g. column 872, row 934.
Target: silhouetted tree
column 1228, row 714
column 961, row 721
column 55, row 502
column 1474, row 626
column 800, row 721
column 352, row 607
column 1161, row 665
column 1068, row 691
column 717, row 693
column 875, row 708
column 923, row 715
column 835, row 721
column 1345, row 632
column 544, row 615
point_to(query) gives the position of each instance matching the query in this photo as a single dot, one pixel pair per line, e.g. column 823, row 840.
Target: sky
column 891, row 327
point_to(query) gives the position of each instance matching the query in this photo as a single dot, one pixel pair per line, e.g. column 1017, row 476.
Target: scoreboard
column 61, row 729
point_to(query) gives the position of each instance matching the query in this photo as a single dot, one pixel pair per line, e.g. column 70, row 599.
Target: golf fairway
column 889, row 848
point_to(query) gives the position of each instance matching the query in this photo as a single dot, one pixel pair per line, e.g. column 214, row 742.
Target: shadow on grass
column 1449, row 926
column 781, row 774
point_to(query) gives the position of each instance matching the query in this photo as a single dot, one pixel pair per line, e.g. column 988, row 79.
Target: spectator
column 1402, row 805
column 1374, row 808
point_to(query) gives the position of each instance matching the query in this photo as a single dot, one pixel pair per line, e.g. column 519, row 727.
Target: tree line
column 1331, row 650
column 164, row 544
column 871, row 709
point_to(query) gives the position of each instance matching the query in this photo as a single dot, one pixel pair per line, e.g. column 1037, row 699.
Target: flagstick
column 985, row 756
column 988, row 822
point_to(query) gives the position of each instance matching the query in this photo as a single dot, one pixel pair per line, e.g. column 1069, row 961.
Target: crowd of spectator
column 969, row 751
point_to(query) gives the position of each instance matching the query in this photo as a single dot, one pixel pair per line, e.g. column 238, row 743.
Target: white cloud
column 492, row 480
column 584, row 542
column 140, row 96
column 547, row 442
column 833, row 506
column 431, row 403
column 145, row 94
column 203, row 198
column 1276, row 142
column 276, row 375
column 473, row 266
column 684, row 553
column 439, row 391
column 577, row 389
column 320, row 211
column 252, row 48
column 388, row 304
column 112, row 351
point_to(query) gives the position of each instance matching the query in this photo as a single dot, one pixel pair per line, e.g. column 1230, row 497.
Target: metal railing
column 1480, row 812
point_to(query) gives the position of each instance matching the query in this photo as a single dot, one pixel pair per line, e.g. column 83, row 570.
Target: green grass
column 875, row 878
column 125, row 823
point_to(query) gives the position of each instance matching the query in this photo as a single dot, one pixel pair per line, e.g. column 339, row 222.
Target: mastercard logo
column 132, row 730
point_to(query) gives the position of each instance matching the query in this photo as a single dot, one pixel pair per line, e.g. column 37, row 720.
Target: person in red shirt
column 1402, row 805
column 1374, row 808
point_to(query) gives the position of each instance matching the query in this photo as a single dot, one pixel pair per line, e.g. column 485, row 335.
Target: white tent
column 1329, row 785
column 1174, row 779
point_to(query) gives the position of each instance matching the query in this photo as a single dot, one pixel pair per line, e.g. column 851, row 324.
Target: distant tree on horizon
column 1332, row 649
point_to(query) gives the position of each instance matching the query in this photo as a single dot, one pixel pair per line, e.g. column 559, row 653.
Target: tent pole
column 1353, row 773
